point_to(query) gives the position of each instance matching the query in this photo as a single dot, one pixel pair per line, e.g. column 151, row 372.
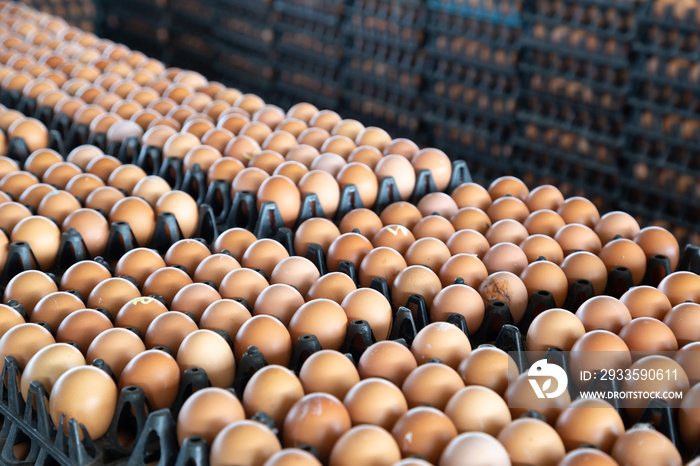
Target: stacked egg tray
column 192, row 43
column 78, row 13
column 245, row 34
column 472, row 82
column 143, row 25
column 575, row 82
column 384, row 63
column 222, row 238
column 662, row 153
column 309, row 50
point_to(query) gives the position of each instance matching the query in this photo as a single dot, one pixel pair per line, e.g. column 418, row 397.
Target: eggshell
column 42, row 236
column 139, row 313
column 644, row 445
column 365, row 444
column 381, row 262
column 169, row 330
column 316, row 230
column 458, row 299
column 183, row 207
column 351, row 247
column 590, row 421
column 29, row 287
column 508, row 185
column 328, row 371
column 616, row 223
column 547, row 276
column 468, row 267
column 431, row 384
column 371, row 306
column 207, row 412
column 196, row 350
column 423, row 431
column 318, row 419
column 278, row 300
column 646, row 301
column 683, row 321
column 112, row 294
column 434, row 226
column 576, row 237
column 139, row 263
column 55, row 307
column 82, row 327
column 138, row 214
column 396, row 237
column 415, row 279
column 401, row 213
column 269, row 335
column 23, row 341
column 544, row 222
column 83, row 276
column 553, row 328
column 430, row 252
column 655, row 240
column 273, row 389
column 544, row 197
column 437, row 162
column 586, row 266
column 603, row 312
column 264, row 254
column 48, row 364
column 296, row 271
column 490, row 367
column 93, row 228
column 471, row 195
column 400, row 168
column 508, row 288
column 585, row 456
column 625, row 253
column 116, row 347
column 250, row 442
column 242, row 283
column 478, row 409
column 468, row 242
column 388, row 360
column 334, row 286
column 375, row 401
column 680, row 287
column 86, row 394
column 531, row 441
column 323, row 318
column 9, row 318
column 235, row 240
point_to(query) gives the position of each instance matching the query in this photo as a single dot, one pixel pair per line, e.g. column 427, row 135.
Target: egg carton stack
column 662, row 156
column 472, row 82
column 192, row 43
column 143, row 25
column 245, row 44
column 309, row 52
column 78, row 13
column 384, row 63
column 574, row 68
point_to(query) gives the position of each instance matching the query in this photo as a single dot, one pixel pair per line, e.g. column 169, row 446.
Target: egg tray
column 501, row 12
column 195, row 12
column 621, row 27
column 574, row 174
column 153, row 11
column 77, row 13
column 318, row 24
column 396, row 24
column 249, row 25
column 596, row 125
column 292, row 87
column 308, row 8
column 444, row 45
column 134, row 31
column 663, row 95
column 667, row 36
column 243, row 70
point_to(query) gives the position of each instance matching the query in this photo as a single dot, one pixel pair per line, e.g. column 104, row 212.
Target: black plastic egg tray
column 391, row 23
column 246, row 25
column 663, row 93
column 666, row 35
column 245, row 70
column 505, row 12
column 81, row 13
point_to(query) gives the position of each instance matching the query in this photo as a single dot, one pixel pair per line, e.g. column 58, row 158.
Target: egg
column 547, row 276
column 415, row 279
column 93, row 229
column 370, row 156
column 86, row 394
column 597, row 350
column 328, row 371
column 396, row 237
column 400, row 168
column 139, row 313
column 682, row 320
column 317, row 419
column 196, row 351
column 169, row 330
column 644, row 445
column 584, row 265
column 274, row 390
column 81, row 327
column 340, row 145
column 471, row 218
column 57, row 205
column 375, row 401
column 267, row 334
column 430, row 252
column 235, row 240
column 431, row 383
column 508, row 185
column 183, row 207
column 423, row 431
column 437, row 163
column 42, row 236
column 544, row 197
column 478, row 409
column 55, row 307
column 471, row 195
column 292, row 456
column 468, row 267
column 531, row 441
column 323, row 318
column 625, row 253
column 680, row 287
column 365, row 444
column 138, row 214
column 387, row 359
column 250, row 442
column 585, row 456
column 48, row 364
column 468, row 241
column 545, row 222
column 557, row 328
column 577, row 237
column 207, row 412
column 401, row 213
column 116, row 347
column 616, row 223
column 508, row 207
column 214, row 268
column 83, row 276
column 364, row 180
column 242, row 283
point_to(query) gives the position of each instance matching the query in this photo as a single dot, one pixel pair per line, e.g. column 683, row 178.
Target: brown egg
column 430, row 252
column 315, row 230
column 139, row 263
column 590, row 421
column 39, row 161
column 680, row 287
column 576, row 237
column 225, row 168
column 273, row 389
column 323, row 318
column 9, row 318
column 437, row 162
column 364, row 180
column 235, row 240
column 264, row 254
column 522, row 399
column 302, row 153
column 506, row 231
column 683, row 321
column 586, row 456
column 196, row 350
column 468, row 267
column 55, row 307
column 169, row 330
column 531, row 441
column 138, row 214
column 217, row 138
column 423, row 431
column 544, row 197
column 292, row 457
column 371, row 306
column 81, row 186
column 15, row 183
column 400, row 168
column 545, row 275
column 468, row 242
column 117, row 347
column 508, row 185
column 616, row 223
column 586, row 266
column 32, row 196
column 375, row 401
column 139, row 313
column 296, row 271
column 556, row 328
column 348, row 127
column 625, row 253
column 23, row 341
column 334, row 286
column 471, row 218
column 443, row 341
column 326, row 119
column 401, row 146
column 341, row 145
column 284, row 194
column 188, row 253
column 29, row 287
column 166, row 281
column 280, row 301
column 250, row 442
column 644, row 445
column 267, row 160
column 57, row 205
column 318, row 419
column 471, row 195
column 34, row 133
column 11, row 213
column 545, row 222
column 656, row 240
column 505, row 257
column 224, row 314
column 508, row 288
column 508, row 208
column 381, row 262
column 597, row 350
column 43, row 237
column 365, row 444
column 646, row 301
column 207, row 412
column 350, row 247
column 458, row 299
column 97, row 393
column 396, row 237
column 687, row 418
column 478, row 409
column 648, row 334
column 370, row 156
column 579, row 210
column 243, row 283
column 48, row 364
column 415, row 279
column 535, row 246
column 185, row 209
column 295, row 171
column 93, row 228
column 328, row 371
column 248, row 179
column 434, row 226
column 269, row 335
column 83, row 277
column 103, row 166
column 603, row 312
column 437, row 203
column 387, row 359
